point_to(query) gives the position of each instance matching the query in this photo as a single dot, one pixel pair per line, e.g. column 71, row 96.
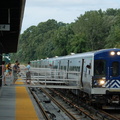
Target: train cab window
column 115, row 69
column 99, row 68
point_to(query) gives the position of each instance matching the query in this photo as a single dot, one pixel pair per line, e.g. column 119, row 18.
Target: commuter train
column 99, row 74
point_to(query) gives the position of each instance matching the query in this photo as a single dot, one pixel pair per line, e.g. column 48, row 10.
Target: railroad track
column 114, row 116
column 70, row 110
column 99, row 113
column 64, row 110
column 49, row 110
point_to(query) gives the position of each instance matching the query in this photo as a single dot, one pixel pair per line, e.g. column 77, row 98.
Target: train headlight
column 112, row 53
column 101, row 82
column 118, row 53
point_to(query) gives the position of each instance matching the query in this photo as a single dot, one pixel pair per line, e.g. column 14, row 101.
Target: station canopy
column 11, row 16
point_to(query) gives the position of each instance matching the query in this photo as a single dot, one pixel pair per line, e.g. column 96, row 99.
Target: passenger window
column 115, row 69
column 64, row 67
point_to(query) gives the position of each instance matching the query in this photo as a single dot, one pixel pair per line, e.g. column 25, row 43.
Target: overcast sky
column 66, row 11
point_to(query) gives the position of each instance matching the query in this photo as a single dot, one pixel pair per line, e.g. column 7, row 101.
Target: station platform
column 16, row 103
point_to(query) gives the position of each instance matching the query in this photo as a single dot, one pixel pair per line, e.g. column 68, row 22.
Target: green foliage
column 91, row 31
column 113, row 40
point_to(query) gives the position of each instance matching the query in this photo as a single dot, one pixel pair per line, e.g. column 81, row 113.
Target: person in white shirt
column 28, row 74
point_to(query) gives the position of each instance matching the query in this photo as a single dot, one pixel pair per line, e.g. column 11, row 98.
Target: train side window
column 64, row 67
column 115, row 69
column 71, row 68
column 77, row 68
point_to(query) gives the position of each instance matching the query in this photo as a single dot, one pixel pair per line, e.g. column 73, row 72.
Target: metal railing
column 54, row 78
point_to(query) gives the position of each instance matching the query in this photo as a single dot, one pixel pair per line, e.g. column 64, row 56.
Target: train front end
column 106, row 78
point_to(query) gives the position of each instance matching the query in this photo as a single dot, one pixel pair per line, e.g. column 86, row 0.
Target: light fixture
column 102, row 82
column 118, row 53
column 112, row 53
column 72, row 53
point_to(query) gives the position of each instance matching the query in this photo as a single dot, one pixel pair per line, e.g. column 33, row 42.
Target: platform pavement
column 11, row 97
column 7, row 101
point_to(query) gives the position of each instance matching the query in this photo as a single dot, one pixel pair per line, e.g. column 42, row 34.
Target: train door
column 114, row 74
column 67, row 68
column 81, row 76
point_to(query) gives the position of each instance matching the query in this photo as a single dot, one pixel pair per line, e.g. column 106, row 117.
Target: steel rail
column 109, row 115
column 40, row 106
column 60, row 106
column 85, row 113
column 103, row 114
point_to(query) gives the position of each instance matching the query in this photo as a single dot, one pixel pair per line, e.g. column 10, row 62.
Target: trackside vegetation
column 91, row 31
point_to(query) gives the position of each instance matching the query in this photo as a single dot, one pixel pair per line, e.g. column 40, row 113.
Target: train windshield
column 99, row 68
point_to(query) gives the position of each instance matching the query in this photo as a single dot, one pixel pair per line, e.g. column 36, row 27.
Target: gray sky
column 66, row 11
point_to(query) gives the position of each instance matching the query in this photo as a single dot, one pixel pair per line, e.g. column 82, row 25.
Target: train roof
column 85, row 54
column 106, row 50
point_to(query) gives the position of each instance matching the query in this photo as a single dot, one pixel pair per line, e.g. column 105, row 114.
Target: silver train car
column 98, row 73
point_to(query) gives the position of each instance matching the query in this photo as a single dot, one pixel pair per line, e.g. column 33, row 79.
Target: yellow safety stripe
column 24, row 106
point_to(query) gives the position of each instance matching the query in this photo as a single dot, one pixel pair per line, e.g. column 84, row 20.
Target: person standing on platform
column 18, row 72
column 3, row 73
column 28, row 74
column 8, row 69
column 15, row 71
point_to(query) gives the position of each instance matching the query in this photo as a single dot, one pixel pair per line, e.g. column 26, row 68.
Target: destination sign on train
column 4, row 27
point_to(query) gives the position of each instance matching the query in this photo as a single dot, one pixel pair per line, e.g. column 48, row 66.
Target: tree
column 91, row 31
column 113, row 40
